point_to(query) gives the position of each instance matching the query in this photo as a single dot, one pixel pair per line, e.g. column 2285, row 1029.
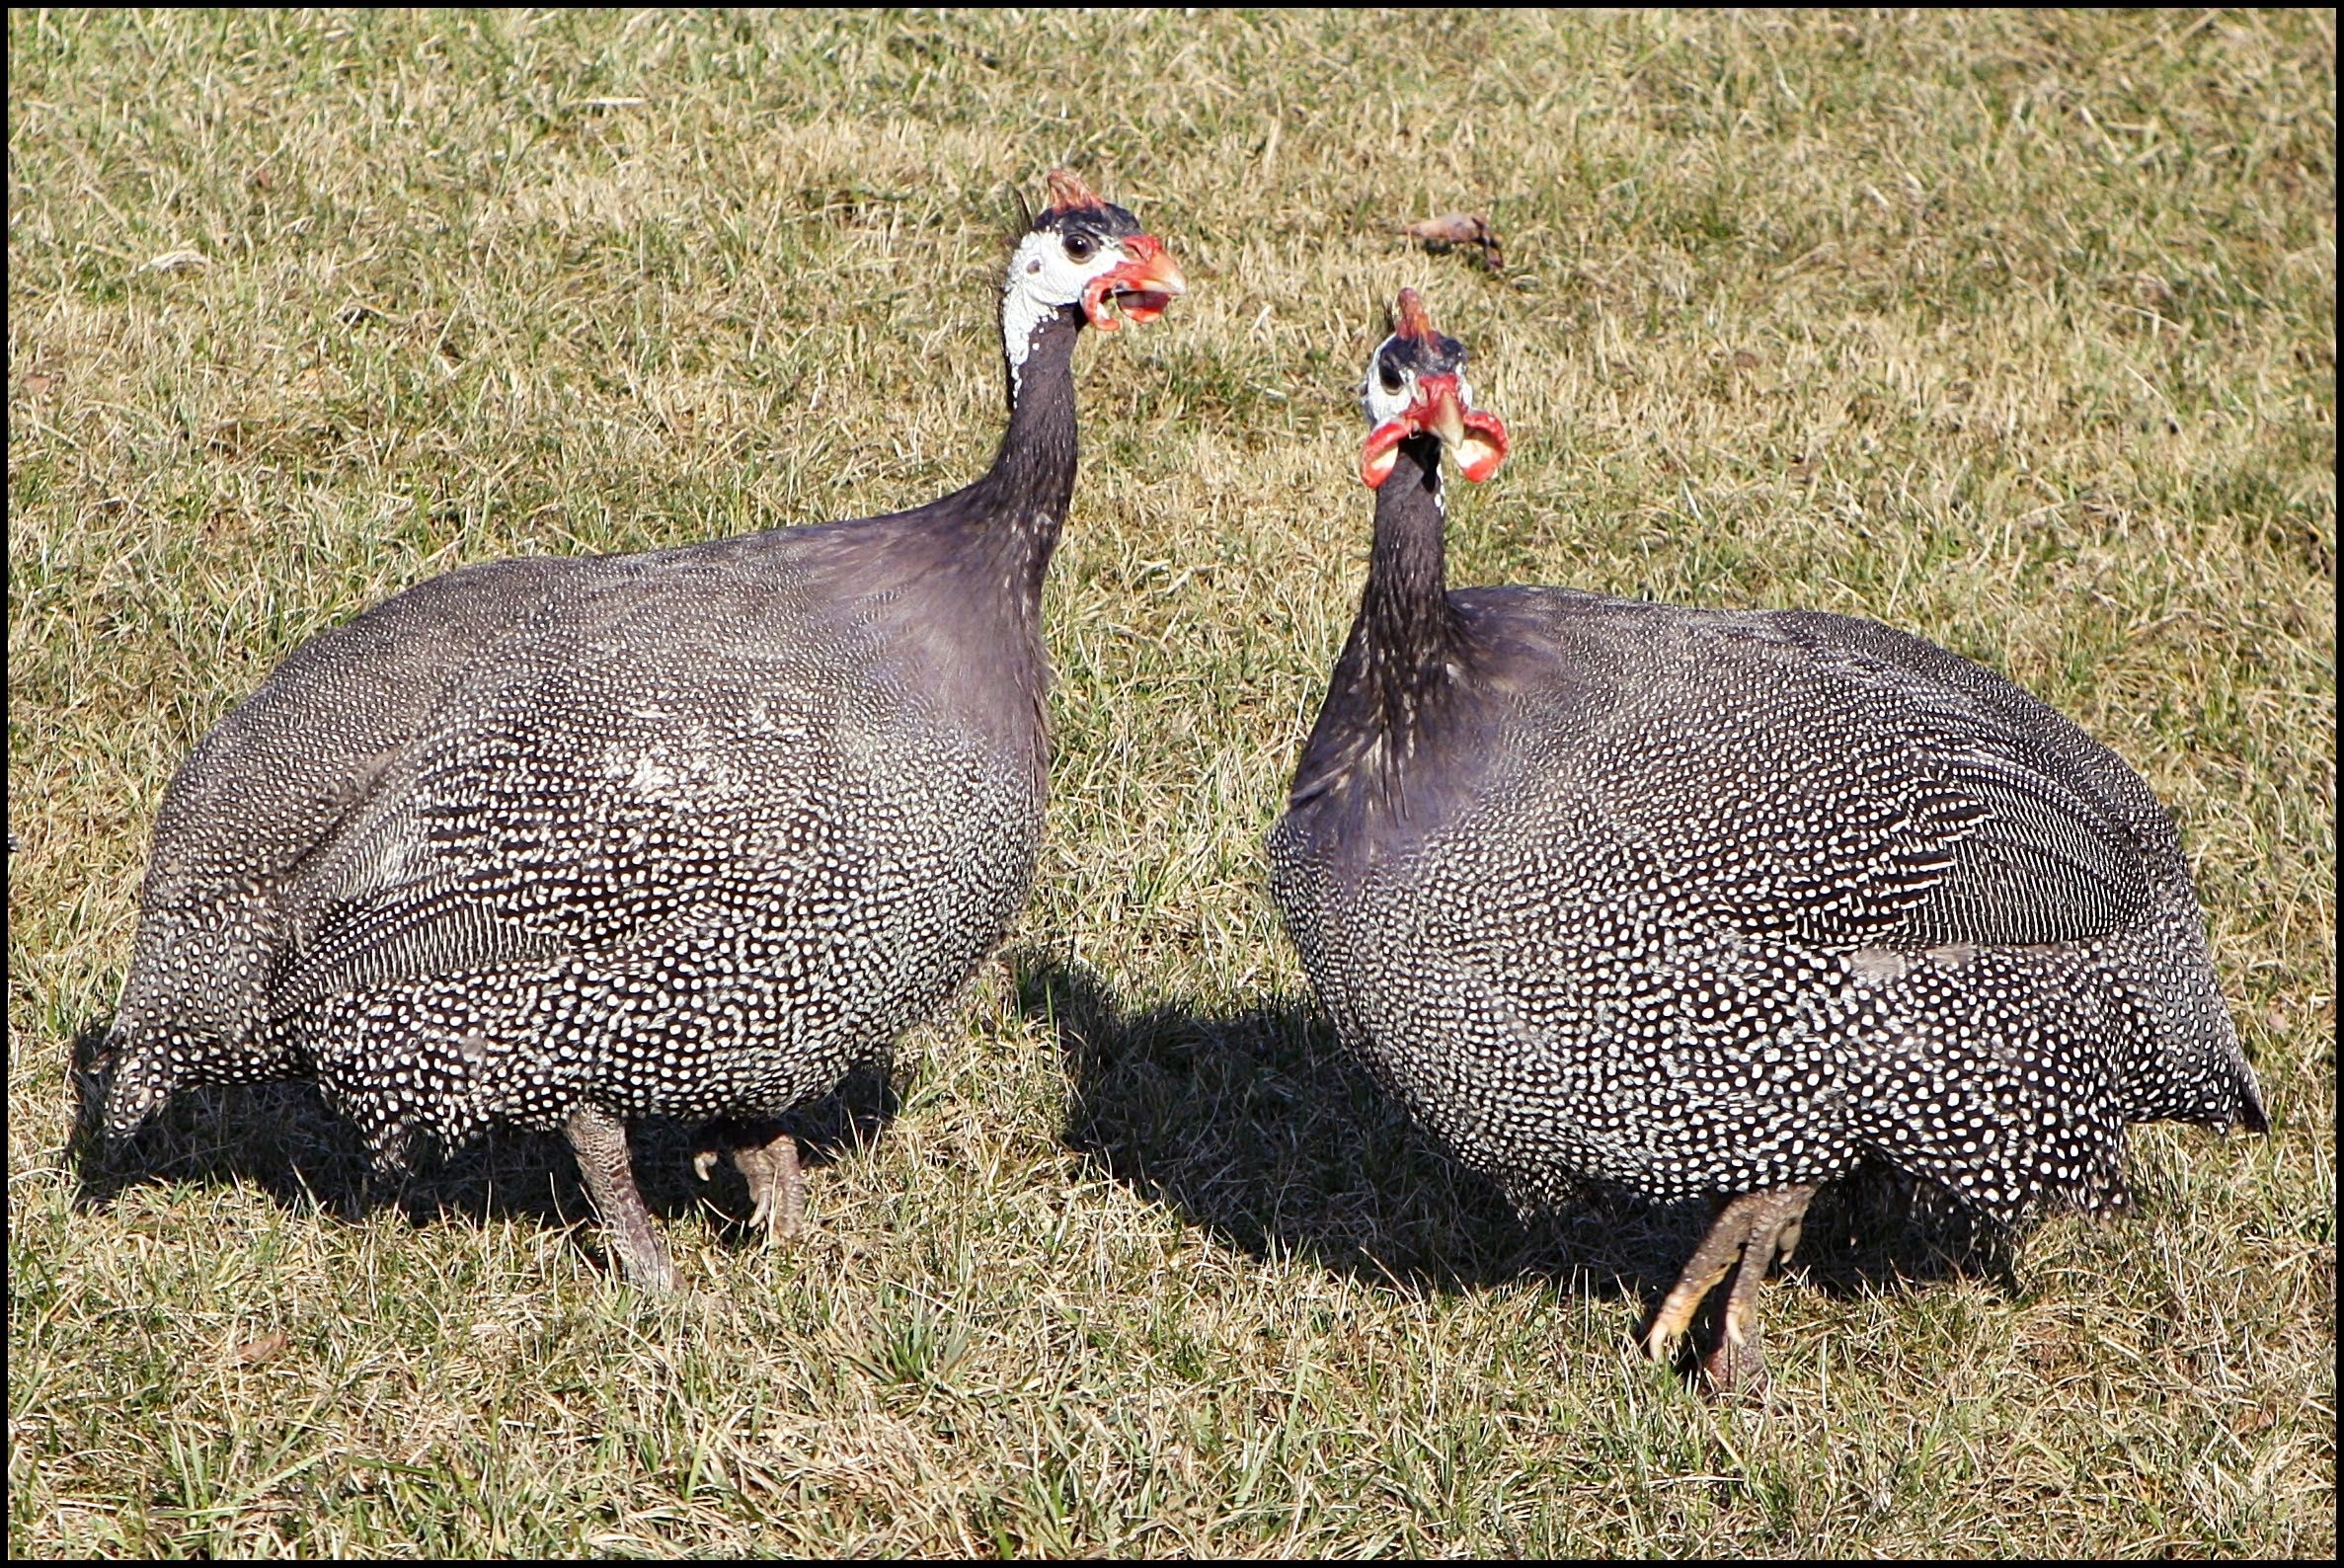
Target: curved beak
column 1438, row 409
column 1141, row 287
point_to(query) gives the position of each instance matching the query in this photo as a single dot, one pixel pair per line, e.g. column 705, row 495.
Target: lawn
column 2013, row 330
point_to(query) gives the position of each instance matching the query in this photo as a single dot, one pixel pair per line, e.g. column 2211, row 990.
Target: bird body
column 1699, row 901
column 685, row 832
column 1721, row 904
column 659, row 838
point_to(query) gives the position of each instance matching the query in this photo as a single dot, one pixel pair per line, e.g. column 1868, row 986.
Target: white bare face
column 1049, row 271
column 1390, row 388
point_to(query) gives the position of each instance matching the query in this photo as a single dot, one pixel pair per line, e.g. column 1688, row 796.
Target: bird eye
column 1390, row 377
column 1079, row 247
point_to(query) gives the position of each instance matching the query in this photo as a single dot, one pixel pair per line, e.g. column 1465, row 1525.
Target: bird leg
column 1751, row 1233
column 599, row 1140
column 769, row 1164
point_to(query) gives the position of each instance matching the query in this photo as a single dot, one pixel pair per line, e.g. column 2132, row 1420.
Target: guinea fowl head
column 1083, row 254
column 1416, row 386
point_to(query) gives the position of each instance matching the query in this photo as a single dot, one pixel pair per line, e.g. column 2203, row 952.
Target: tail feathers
column 2236, row 1099
column 139, row 1081
column 193, row 1007
column 147, row 1059
column 2250, row 1114
column 2192, row 1068
column 142, row 1074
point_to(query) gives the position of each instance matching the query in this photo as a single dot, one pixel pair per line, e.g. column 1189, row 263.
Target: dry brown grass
column 2015, row 331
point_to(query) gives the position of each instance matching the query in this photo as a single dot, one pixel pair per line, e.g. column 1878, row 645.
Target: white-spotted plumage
column 558, row 842
column 1720, row 904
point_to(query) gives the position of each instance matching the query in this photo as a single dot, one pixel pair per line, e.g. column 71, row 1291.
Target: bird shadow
column 1257, row 1125
column 1251, row 1122
column 283, row 1139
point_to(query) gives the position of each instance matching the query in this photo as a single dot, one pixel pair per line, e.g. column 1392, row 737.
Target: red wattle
column 1484, row 447
column 1382, row 451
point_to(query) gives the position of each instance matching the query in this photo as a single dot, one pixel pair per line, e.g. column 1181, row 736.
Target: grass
column 2012, row 330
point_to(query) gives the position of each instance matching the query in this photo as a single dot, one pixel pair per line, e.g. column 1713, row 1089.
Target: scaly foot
column 767, row 1159
column 1751, row 1233
column 599, row 1140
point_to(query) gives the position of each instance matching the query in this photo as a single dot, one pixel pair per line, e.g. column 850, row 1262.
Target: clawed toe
column 769, row 1165
column 778, row 1185
column 1735, row 1367
column 1751, row 1233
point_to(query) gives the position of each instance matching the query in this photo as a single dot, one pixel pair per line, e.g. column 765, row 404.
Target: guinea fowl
column 1706, row 903
column 563, row 842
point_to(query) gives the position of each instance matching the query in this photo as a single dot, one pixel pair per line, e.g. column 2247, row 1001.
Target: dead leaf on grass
column 1451, row 230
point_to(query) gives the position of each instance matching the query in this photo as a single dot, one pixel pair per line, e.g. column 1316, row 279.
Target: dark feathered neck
column 1405, row 641
column 1016, row 512
column 983, row 548
column 1403, row 684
